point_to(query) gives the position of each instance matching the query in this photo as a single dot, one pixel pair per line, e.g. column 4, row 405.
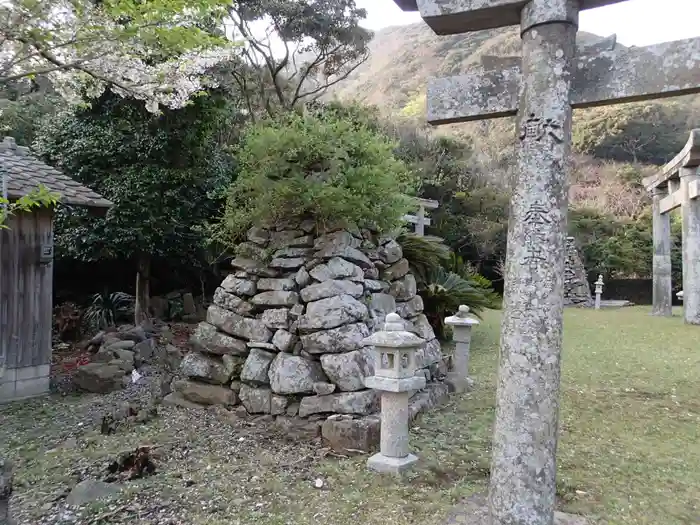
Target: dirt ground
column 211, row 467
column 629, row 449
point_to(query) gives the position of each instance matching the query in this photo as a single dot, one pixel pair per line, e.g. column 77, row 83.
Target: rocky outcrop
column 118, row 351
column 577, row 292
column 286, row 337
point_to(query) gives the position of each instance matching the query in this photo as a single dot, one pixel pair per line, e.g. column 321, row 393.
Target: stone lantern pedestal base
column 388, row 465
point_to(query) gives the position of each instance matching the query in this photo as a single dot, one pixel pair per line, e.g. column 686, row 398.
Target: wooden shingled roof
column 25, row 173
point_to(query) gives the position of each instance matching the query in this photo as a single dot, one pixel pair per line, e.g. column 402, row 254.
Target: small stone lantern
column 598, row 291
column 395, row 365
column 458, row 378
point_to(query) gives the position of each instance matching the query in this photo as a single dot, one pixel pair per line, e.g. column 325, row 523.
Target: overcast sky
column 636, row 22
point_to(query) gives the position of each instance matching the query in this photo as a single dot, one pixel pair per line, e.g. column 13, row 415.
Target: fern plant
column 106, row 308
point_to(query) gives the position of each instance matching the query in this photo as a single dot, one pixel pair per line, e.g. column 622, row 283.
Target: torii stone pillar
column 661, row 269
column 690, row 211
column 540, row 88
column 681, row 180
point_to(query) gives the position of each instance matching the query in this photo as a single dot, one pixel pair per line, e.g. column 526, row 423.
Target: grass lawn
column 629, row 451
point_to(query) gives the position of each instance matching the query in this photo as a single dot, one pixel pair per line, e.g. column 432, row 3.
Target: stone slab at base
column 475, row 511
column 615, row 303
column 345, row 433
column 387, row 465
column 175, row 399
column 24, row 383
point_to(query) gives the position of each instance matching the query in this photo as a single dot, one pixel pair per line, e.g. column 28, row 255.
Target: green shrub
column 467, row 271
column 319, row 166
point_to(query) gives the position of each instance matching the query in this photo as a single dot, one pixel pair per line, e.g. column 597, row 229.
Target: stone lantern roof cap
column 462, row 318
column 394, row 335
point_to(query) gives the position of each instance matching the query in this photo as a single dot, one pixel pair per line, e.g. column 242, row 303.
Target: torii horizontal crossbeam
column 450, row 17
column 607, row 76
column 689, row 157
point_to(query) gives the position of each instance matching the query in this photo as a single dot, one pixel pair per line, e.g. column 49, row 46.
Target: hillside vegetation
column 402, row 59
column 614, row 148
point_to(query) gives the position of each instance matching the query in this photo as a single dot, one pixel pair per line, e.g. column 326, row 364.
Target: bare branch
column 320, row 91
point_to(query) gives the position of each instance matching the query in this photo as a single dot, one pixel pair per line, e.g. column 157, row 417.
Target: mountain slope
column 402, row 58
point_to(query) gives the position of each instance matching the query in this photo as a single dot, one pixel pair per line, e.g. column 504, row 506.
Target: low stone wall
column 286, row 337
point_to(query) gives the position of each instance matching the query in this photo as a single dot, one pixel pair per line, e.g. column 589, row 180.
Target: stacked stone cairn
column 285, row 337
column 577, row 292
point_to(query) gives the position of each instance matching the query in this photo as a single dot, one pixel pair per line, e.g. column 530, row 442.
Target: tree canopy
column 315, row 165
column 163, row 174
column 294, row 51
column 157, row 51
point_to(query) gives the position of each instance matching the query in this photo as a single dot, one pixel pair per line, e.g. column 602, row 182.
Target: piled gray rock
column 119, row 351
column 577, row 292
column 178, row 305
column 285, row 337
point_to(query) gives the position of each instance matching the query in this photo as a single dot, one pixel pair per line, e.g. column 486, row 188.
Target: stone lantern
column 394, row 375
column 461, row 323
column 598, row 291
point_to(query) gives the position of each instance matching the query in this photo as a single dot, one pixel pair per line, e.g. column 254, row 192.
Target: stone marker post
column 420, row 223
column 419, row 219
column 541, row 87
column 598, row 291
column 5, row 491
column 662, row 284
column 395, row 366
column 458, row 378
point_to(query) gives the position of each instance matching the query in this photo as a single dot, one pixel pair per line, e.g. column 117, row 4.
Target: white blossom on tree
column 156, row 51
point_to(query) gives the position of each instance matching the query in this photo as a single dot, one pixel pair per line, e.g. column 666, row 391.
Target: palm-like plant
column 444, row 291
column 107, row 308
column 465, row 270
column 444, row 280
column 423, row 253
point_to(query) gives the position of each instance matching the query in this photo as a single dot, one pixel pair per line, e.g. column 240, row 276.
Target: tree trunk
column 143, row 294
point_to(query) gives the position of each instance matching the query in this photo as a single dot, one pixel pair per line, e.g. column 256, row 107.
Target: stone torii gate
column 677, row 185
column 419, row 219
column 542, row 87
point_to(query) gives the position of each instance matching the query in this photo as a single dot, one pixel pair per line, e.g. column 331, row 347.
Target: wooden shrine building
column 26, row 271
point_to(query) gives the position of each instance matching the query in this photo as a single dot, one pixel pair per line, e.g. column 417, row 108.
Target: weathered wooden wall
column 26, row 290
